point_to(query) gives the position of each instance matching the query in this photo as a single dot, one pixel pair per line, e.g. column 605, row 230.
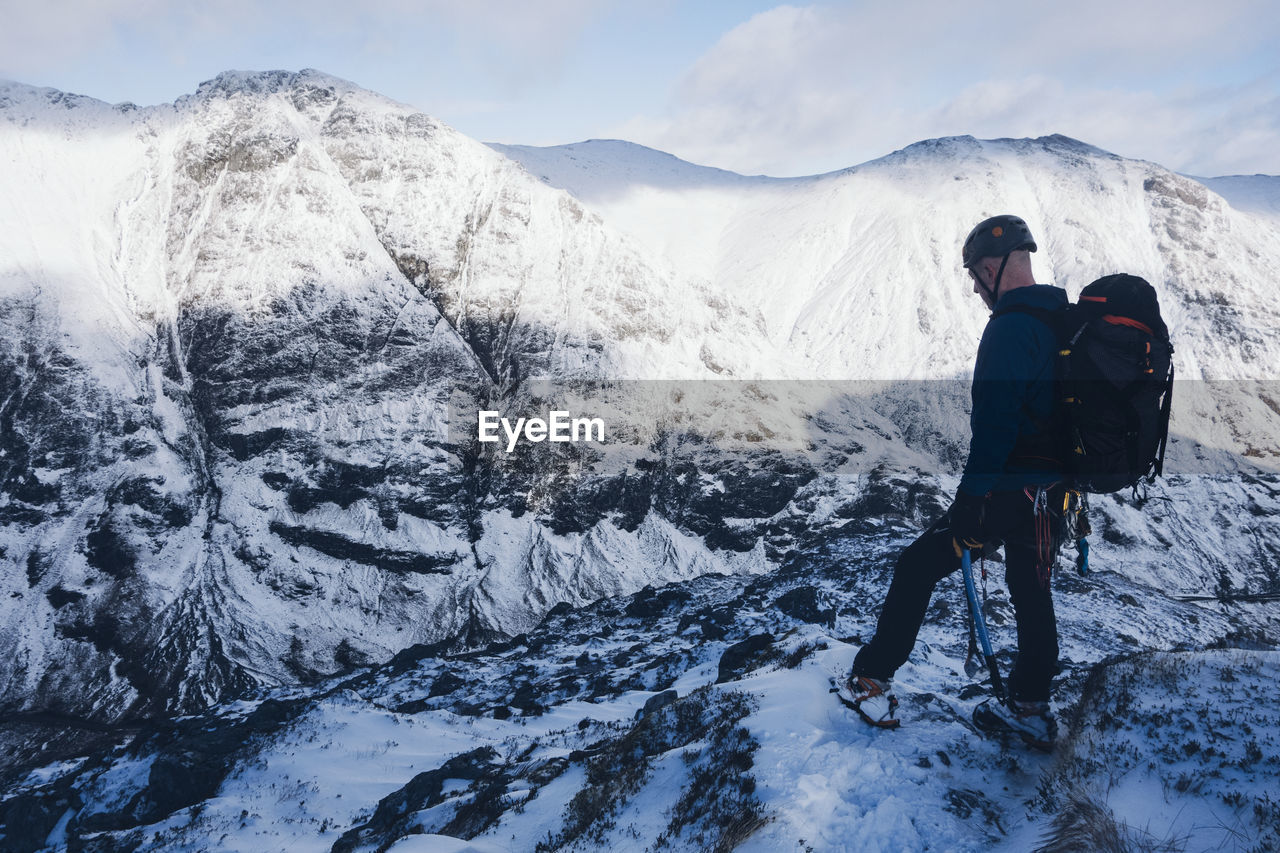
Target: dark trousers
column 1009, row 518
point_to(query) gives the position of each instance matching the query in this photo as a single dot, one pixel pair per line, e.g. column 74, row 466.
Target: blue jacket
column 1012, row 375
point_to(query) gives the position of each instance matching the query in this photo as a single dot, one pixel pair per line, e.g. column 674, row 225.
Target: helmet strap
column 996, row 293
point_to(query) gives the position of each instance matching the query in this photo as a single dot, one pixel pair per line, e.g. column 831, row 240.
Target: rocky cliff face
column 230, row 345
column 242, row 337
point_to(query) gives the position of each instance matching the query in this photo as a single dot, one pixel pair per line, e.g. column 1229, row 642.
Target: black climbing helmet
column 995, row 238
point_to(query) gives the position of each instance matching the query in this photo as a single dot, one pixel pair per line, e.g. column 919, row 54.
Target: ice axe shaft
column 971, row 661
column 997, row 685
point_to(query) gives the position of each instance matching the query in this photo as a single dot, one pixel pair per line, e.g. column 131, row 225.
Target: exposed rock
column 807, row 604
column 742, row 657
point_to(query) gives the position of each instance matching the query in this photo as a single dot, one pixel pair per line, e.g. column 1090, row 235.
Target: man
column 1010, row 479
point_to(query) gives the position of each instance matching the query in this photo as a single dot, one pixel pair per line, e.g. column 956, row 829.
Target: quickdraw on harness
column 1075, row 516
column 1039, row 498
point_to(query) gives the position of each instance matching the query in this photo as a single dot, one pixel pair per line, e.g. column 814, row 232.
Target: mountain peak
column 951, row 147
column 235, row 82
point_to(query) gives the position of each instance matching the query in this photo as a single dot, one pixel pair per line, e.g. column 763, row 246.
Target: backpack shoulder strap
column 1051, row 318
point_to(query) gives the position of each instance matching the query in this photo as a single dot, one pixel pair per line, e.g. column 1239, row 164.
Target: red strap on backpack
column 1117, row 320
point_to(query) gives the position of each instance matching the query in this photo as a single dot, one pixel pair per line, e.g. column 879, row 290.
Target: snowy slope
column 700, row 716
column 867, row 259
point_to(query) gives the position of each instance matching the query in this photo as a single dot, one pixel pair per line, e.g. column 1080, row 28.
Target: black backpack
column 1114, row 381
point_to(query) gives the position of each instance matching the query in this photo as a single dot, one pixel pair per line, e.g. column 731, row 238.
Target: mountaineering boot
column 1032, row 721
column 872, row 699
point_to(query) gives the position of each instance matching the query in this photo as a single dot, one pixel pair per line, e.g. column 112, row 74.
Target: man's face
column 982, row 286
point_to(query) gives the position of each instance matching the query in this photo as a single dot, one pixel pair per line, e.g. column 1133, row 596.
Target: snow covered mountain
column 865, row 260
column 232, row 327
column 245, row 337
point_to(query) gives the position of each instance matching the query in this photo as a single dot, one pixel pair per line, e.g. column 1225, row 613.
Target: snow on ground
column 701, row 714
column 826, row 781
column 443, row 844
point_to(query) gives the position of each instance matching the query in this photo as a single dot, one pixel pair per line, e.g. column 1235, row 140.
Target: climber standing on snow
column 1012, row 477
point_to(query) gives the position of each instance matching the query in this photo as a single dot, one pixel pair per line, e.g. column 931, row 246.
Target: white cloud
column 822, row 87
column 795, row 89
column 514, row 40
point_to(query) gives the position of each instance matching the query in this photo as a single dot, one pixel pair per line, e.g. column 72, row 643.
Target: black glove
column 965, row 520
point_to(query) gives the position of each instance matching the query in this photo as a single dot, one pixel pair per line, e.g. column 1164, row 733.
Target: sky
column 754, row 87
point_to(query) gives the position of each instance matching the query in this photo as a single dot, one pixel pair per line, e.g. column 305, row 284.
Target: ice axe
column 978, row 622
column 972, row 661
